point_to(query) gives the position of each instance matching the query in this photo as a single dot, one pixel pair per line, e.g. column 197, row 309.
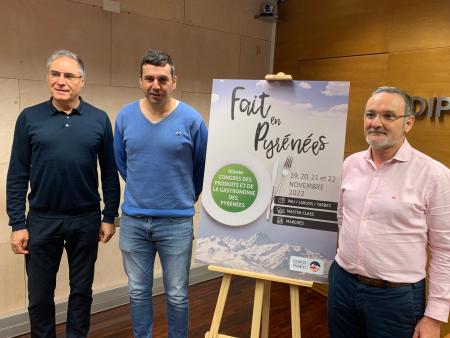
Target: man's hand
column 107, row 230
column 19, row 241
column 427, row 328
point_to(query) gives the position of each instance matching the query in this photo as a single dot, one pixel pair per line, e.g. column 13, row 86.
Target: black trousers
column 48, row 238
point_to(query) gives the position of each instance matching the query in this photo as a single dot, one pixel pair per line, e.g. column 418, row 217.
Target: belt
column 379, row 283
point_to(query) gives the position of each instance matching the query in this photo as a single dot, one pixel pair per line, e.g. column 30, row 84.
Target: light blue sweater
column 162, row 163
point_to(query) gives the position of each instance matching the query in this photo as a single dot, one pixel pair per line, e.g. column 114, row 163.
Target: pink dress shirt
column 388, row 216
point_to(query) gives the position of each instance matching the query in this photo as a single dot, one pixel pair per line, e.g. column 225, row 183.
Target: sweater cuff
column 19, row 226
column 108, row 219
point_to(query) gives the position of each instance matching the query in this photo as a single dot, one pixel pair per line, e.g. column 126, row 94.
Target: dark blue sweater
column 57, row 155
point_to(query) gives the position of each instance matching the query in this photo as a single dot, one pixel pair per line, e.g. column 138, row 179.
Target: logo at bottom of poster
column 308, row 265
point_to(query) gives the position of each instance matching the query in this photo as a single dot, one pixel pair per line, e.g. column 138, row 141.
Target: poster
column 272, row 177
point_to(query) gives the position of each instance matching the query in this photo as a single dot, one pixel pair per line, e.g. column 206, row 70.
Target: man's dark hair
column 315, row 263
column 157, row 58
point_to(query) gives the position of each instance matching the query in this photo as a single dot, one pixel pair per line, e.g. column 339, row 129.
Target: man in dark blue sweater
column 160, row 148
column 56, row 147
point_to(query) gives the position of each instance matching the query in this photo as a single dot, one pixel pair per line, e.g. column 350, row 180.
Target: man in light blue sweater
column 160, row 149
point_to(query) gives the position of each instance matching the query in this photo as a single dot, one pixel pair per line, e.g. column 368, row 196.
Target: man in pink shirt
column 394, row 202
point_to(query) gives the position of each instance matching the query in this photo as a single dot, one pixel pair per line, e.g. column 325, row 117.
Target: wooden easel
column 280, row 76
column 261, row 304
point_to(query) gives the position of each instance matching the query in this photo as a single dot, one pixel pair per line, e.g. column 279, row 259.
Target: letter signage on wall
column 434, row 105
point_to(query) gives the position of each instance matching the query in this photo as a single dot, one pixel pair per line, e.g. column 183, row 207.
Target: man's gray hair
column 72, row 55
column 409, row 104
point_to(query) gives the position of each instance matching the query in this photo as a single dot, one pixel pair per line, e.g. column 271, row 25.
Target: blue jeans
column 356, row 310
column 140, row 239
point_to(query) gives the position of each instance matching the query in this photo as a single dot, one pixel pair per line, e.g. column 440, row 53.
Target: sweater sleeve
column 119, row 148
column 200, row 142
column 18, row 175
column 110, row 179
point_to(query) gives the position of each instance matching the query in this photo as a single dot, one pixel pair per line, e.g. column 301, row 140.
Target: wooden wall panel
column 9, row 110
column 130, row 40
column 12, row 272
column 364, row 74
column 425, row 73
column 197, row 53
column 254, row 58
column 421, row 72
column 208, row 54
column 232, row 16
column 9, row 103
column 287, row 67
column 172, row 10
column 317, row 29
column 201, row 102
column 285, row 60
column 32, row 30
column 5, row 230
column 425, row 24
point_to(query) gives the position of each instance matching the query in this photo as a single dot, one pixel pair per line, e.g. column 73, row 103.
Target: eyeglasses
column 54, row 74
column 387, row 117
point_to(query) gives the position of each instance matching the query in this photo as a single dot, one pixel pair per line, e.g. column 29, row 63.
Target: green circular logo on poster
column 234, row 188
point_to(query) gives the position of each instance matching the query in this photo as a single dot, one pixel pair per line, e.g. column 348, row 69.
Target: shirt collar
column 403, row 154
column 78, row 110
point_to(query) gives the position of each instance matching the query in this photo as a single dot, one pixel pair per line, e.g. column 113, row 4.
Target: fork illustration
column 286, row 169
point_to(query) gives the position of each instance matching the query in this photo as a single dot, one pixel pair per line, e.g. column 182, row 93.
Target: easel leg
column 218, row 312
column 257, row 308
column 295, row 311
column 261, row 304
column 265, row 310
